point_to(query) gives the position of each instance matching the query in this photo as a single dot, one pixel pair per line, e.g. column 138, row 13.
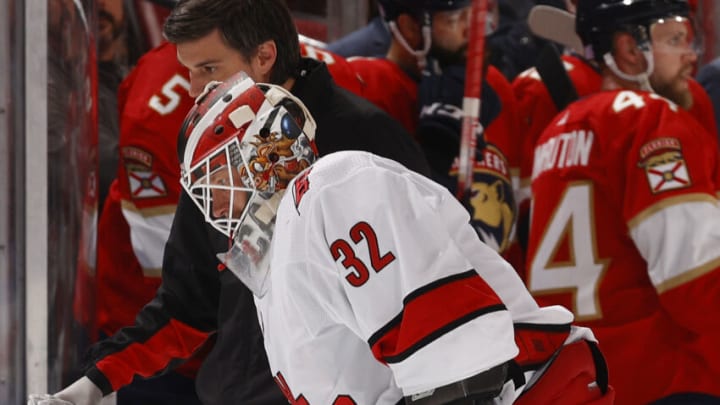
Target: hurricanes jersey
column 350, row 313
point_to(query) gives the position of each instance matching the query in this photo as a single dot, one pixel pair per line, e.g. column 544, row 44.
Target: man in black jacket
column 198, row 299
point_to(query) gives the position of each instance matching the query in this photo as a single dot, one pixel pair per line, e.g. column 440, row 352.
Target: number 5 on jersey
column 341, row 248
column 171, row 100
column 570, row 234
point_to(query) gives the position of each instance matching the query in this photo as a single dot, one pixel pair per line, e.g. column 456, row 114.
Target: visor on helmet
column 674, row 34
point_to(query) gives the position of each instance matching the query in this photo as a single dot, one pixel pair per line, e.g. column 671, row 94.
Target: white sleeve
column 411, row 292
column 673, row 254
column 149, row 230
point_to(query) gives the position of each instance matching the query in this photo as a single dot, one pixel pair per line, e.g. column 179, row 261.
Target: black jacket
column 196, row 300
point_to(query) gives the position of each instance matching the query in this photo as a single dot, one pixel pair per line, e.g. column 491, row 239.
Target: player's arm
column 415, row 298
column 177, row 321
column 674, row 219
column 167, row 330
column 153, row 104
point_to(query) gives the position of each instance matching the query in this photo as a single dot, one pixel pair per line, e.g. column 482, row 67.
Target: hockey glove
column 440, row 97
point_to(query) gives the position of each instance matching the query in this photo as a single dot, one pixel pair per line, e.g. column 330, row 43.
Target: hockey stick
column 556, row 25
column 471, row 128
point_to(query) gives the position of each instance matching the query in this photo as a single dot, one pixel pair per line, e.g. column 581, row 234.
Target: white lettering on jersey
column 493, row 161
column 627, row 98
column 535, row 75
column 447, row 110
column 318, row 54
column 171, row 97
column 565, row 150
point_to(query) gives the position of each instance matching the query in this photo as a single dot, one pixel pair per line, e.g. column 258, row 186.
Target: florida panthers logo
column 664, row 165
column 492, row 201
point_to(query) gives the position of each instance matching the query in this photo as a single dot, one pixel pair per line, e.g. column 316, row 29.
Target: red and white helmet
column 244, row 142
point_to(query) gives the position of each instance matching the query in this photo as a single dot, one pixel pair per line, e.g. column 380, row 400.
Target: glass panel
column 72, row 184
column 707, row 14
column 326, row 20
column 12, row 339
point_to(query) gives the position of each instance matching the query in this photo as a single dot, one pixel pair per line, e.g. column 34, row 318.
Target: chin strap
column 643, row 79
column 420, row 54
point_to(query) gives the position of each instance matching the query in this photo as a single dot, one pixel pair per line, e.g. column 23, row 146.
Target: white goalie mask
column 244, row 143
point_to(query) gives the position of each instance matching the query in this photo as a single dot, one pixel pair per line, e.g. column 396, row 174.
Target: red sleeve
column 153, row 104
column 387, row 86
column 671, row 166
column 702, row 108
column 340, row 70
column 504, row 132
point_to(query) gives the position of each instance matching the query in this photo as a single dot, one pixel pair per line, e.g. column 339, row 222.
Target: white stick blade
column 556, row 25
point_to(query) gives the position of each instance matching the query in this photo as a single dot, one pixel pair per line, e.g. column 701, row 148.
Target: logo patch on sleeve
column 131, row 153
column 492, row 202
column 664, row 165
column 300, row 187
column 145, row 184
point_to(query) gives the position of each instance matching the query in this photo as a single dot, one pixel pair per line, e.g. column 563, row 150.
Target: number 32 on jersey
column 570, row 234
column 363, row 236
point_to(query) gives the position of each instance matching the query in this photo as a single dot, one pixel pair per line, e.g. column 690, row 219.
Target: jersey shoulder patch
column 664, row 165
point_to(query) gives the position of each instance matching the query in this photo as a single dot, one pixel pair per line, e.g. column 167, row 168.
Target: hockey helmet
column 390, row 9
column 597, row 20
column 244, row 142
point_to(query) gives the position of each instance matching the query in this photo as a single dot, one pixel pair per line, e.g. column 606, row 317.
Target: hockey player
column 198, row 299
column 537, row 108
column 625, row 226
column 434, row 34
column 420, row 29
column 371, row 285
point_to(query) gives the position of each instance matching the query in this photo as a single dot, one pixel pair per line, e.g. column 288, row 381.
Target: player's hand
column 81, row 392
column 440, row 96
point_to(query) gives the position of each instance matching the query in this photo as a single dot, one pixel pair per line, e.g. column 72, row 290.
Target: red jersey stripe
column 465, row 296
column 174, row 341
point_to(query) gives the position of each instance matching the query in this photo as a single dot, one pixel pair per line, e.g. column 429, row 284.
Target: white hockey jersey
column 373, row 290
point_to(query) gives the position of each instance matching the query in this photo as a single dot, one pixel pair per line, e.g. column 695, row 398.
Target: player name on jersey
column 564, row 150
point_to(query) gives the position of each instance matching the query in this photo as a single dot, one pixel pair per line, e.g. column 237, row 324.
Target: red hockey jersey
column 537, row 108
column 390, row 88
column 377, row 80
column 341, row 71
column 625, row 232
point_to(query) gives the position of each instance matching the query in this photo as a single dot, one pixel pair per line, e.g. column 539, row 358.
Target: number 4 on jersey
column 570, row 234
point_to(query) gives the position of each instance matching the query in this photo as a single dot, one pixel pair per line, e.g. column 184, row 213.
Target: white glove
column 45, row 399
column 81, row 392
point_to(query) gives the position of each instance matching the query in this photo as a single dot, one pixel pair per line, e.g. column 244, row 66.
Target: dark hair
column 243, row 24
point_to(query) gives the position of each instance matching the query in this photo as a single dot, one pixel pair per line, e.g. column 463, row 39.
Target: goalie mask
column 244, row 143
